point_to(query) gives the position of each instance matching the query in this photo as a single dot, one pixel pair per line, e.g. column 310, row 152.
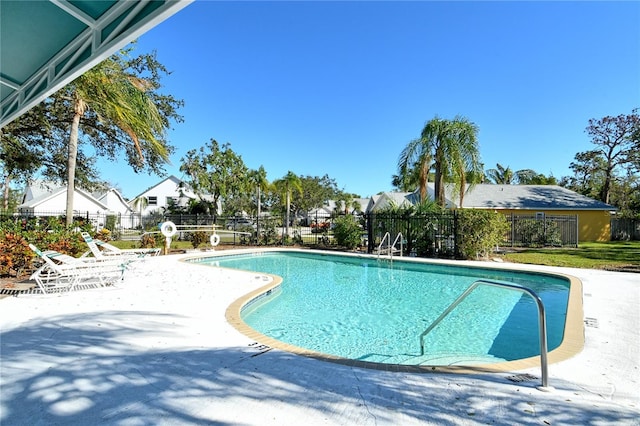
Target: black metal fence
column 424, row 235
column 625, row 229
column 542, row 230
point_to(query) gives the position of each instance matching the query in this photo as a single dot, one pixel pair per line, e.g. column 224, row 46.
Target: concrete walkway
column 157, row 349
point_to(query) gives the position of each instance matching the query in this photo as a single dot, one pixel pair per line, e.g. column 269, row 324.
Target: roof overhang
column 45, row 44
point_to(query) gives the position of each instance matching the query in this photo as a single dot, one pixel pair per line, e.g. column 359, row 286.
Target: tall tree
column 258, row 178
column 20, row 153
column 346, row 202
column 286, row 185
column 501, row 175
column 120, row 99
column 588, row 174
column 409, row 179
column 215, row 172
column 17, row 162
column 617, row 141
column 115, row 107
column 451, row 146
column 316, row 192
column 505, row 176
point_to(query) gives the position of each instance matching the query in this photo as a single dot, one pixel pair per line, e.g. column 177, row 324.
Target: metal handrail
column 387, row 235
column 541, row 321
column 401, row 244
column 391, row 246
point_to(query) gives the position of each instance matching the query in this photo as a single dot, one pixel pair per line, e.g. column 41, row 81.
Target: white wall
column 58, row 203
column 166, row 188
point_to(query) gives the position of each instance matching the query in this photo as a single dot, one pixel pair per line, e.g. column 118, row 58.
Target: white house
column 389, row 199
column 158, row 197
column 46, row 198
column 43, row 200
column 49, row 199
column 114, row 201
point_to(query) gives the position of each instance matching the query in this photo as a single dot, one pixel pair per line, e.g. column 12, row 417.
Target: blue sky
column 339, row 88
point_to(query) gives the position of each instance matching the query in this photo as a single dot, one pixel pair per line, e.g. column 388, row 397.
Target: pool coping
column 572, row 342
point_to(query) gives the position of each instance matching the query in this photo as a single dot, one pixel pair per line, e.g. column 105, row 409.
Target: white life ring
column 214, row 239
column 168, row 229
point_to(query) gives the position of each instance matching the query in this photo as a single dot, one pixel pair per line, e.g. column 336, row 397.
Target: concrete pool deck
column 157, row 349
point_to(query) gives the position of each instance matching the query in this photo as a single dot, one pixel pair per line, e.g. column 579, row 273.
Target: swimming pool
column 363, row 309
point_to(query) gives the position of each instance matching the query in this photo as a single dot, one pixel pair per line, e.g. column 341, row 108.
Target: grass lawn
column 609, row 255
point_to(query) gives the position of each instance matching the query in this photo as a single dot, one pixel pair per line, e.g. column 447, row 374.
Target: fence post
column 369, row 232
column 456, row 240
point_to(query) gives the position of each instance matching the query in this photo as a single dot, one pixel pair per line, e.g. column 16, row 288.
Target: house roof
column 46, row 44
column 387, row 199
column 526, row 197
column 400, row 199
column 41, row 197
column 40, row 191
column 363, row 202
column 171, row 178
column 101, row 196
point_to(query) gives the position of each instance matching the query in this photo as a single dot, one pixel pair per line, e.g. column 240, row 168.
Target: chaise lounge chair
column 64, row 272
column 100, row 249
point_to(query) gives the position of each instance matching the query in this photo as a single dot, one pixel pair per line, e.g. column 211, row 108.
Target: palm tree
column 119, row 99
column 346, row 201
column 451, row 147
column 140, row 203
column 287, row 185
column 259, row 179
column 501, row 175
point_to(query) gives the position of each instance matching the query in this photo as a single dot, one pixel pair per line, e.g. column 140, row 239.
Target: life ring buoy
column 168, row 229
column 214, row 239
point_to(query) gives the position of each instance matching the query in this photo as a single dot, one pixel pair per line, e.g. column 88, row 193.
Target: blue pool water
column 371, row 310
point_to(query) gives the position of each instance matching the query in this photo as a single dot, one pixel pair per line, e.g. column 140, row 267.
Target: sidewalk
column 156, row 349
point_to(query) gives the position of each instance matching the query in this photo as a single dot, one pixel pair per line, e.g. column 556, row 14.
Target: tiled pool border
column 572, row 343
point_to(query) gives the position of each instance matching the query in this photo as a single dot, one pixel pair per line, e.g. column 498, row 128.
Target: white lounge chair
column 100, row 249
column 61, row 271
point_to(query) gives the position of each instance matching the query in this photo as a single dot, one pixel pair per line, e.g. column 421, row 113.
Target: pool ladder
column 391, row 248
column 542, row 323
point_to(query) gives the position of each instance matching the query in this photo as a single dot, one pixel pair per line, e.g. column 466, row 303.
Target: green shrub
column 538, row 233
column 347, row 232
column 111, row 222
column 480, row 232
column 197, row 238
column 268, row 235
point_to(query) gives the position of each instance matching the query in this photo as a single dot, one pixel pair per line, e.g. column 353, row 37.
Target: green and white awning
column 45, row 44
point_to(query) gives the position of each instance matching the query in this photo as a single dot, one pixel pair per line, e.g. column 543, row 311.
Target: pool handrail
column 391, row 247
column 542, row 323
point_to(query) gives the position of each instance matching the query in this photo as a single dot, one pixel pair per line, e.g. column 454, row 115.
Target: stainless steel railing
column 541, row 320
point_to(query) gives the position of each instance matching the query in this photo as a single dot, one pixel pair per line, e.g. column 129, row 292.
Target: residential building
column 159, row 197
column 593, row 216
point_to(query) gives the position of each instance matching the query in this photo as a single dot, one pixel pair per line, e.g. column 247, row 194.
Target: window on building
column 153, row 201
